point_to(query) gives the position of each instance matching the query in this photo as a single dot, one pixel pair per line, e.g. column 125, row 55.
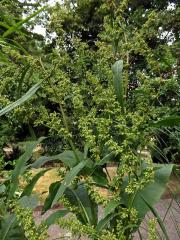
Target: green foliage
column 16, row 219
column 24, row 98
column 118, row 84
column 94, row 103
column 25, row 218
column 152, row 192
column 19, row 24
column 21, row 166
column 10, row 229
column 168, row 122
column 85, row 208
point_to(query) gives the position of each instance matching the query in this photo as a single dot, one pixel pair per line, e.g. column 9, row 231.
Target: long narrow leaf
column 104, row 222
column 79, row 197
column 28, row 189
column 23, row 99
column 57, row 189
column 111, row 206
column 21, row 79
column 108, row 158
column 66, row 157
column 10, row 230
column 54, row 216
column 161, row 224
column 167, row 122
column 28, row 201
column 13, row 45
column 152, row 192
column 20, row 166
column 84, row 214
column 118, row 82
column 19, row 24
column 68, row 179
column 52, row 192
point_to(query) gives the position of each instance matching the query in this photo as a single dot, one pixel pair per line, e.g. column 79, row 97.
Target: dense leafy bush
column 107, row 76
column 149, row 66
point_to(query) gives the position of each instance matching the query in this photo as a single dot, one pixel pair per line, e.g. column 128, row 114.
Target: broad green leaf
column 88, row 209
column 70, row 176
column 19, row 24
column 21, row 79
column 153, row 191
column 111, row 206
column 103, row 223
column 28, row 202
column 52, row 192
column 57, row 189
column 9, row 229
column 54, row 216
column 118, row 82
column 167, row 122
column 86, row 149
column 29, row 188
column 20, row 166
column 23, row 99
column 108, row 158
column 100, row 177
column 67, row 157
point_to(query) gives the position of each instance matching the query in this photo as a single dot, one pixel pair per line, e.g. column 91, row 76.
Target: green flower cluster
column 76, row 227
column 152, row 231
column 69, row 205
column 126, row 221
column 26, row 221
column 94, row 193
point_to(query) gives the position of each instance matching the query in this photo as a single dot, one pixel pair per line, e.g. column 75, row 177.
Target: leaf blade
column 153, row 191
column 19, row 24
column 20, row 166
column 28, row 189
column 68, row 179
column 54, row 216
column 23, row 99
column 118, row 82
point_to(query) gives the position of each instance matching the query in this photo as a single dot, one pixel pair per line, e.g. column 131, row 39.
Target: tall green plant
column 13, row 202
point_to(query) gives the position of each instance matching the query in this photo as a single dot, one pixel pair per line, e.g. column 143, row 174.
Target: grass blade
column 28, row 189
column 19, row 24
column 167, row 122
column 70, row 176
column 23, row 99
column 20, row 166
column 54, row 216
column 161, row 224
column 104, row 222
column 66, row 157
column 118, row 82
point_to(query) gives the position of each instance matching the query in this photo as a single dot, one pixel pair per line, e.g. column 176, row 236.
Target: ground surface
column 171, row 219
